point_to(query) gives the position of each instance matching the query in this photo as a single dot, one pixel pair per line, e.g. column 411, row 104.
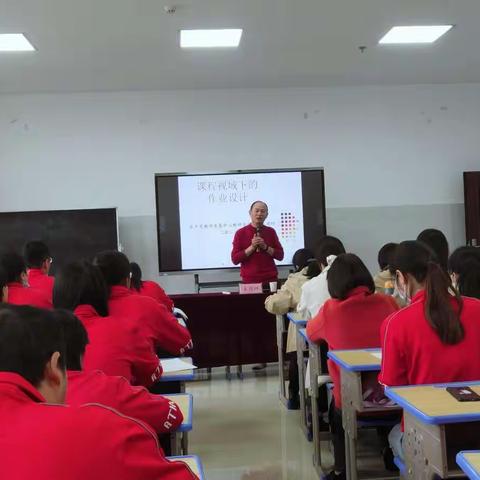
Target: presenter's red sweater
column 260, row 266
column 57, row 442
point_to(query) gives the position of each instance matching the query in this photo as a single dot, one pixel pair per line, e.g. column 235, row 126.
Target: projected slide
column 213, row 207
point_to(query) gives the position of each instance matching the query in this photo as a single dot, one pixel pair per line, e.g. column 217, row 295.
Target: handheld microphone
column 257, row 234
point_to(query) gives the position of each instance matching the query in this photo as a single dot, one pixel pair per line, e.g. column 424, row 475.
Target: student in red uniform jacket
column 162, row 415
column 158, row 325
column 116, row 345
column 435, row 339
column 256, row 246
column 18, row 292
column 148, row 288
column 38, row 259
column 351, row 319
column 42, row 439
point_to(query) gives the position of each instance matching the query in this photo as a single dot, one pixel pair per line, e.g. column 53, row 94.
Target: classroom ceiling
column 107, row 45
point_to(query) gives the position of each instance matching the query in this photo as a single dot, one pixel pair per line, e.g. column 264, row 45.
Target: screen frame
column 227, row 172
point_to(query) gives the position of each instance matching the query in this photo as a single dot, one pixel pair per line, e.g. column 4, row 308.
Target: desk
column 193, row 462
column 437, row 427
column 302, row 346
column 229, row 329
column 181, row 376
column 469, row 462
column 356, row 366
column 179, row 438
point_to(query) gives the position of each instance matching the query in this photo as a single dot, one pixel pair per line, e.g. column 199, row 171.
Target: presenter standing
column 256, row 247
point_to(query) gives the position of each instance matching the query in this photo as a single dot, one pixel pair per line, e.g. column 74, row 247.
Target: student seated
column 38, row 259
column 286, row 300
column 18, row 291
column 161, row 414
column 464, row 270
column 116, row 345
column 41, row 438
column 384, row 280
column 315, row 291
column 438, row 242
column 148, row 288
column 158, row 325
column 351, row 319
column 433, row 340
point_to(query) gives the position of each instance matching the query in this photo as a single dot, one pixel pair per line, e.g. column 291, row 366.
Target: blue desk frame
column 466, row 466
column 181, row 376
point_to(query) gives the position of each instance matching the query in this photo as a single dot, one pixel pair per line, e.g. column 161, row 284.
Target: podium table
column 229, row 330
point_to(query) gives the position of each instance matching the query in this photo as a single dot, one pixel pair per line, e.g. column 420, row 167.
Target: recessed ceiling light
column 415, row 34
column 15, row 42
column 229, row 37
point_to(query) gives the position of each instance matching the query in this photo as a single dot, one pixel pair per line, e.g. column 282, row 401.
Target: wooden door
column 471, row 182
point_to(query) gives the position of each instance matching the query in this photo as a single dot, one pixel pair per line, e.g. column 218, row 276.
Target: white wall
column 380, row 146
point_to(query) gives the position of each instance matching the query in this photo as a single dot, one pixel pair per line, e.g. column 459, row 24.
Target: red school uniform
column 117, row 348
column 40, row 281
column 260, row 266
column 20, row 295
column 158, row 325
column 350, row 324
column 56, row 442
column 413, row 354
column 161, row 414
column 154, row 290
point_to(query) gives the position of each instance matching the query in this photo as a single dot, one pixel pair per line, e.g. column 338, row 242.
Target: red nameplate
column 247, row 288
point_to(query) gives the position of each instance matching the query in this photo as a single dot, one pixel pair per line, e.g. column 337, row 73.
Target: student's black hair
column 465, row 263
column 28, row 338
column 438, row 242
column 13, row 266
column 386, row 255
column 80, row 283
column 313, row 269
column 346, row 273
column 76, row 338
column 327, row 246
column 301, row 258
column 35, row 253
column 136, row 280
column 114, row 266
column 420, row 261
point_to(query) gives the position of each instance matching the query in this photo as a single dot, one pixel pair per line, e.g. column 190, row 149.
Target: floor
column 242, row 431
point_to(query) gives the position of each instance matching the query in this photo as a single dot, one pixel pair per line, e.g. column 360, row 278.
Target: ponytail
column 136, row 278
column 443, row 317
